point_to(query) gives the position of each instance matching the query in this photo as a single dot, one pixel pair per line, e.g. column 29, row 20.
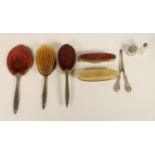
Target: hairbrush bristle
column 97, row 74
column 45, row 59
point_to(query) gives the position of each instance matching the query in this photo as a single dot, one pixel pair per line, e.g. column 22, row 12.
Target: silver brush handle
column 16, row 95
column 117, row 84
column 67, row 88
column 44, row 94
column 127, row 86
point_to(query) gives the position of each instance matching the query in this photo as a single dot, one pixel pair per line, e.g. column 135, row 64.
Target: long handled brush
column 46, row 63
column 66, row 58
column 19, row 60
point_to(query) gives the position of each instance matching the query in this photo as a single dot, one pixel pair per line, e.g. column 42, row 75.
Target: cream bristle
column 99, row 74
column 45, row 59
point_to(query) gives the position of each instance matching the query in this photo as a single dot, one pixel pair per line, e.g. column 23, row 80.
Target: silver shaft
column 16, row 95
column 127, row 86
column 117, row 83
column 44, row 93
column 67, row 88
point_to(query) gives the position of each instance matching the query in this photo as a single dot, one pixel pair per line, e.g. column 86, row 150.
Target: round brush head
column 45, row 59
column 19, row 59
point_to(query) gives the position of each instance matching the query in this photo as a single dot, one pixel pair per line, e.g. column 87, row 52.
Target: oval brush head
column 45, row 59
column 66, row 57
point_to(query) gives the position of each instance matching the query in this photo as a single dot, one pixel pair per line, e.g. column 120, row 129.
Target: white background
column 77, row 137
column 88, row 101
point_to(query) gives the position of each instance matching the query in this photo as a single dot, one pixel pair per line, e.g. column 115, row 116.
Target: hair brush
column 46, row 63
column 96, row 57
column 19, row 60
column 66, row 58
column 96, row 74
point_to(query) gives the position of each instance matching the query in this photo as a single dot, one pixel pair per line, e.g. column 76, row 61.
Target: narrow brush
column 66, row 58
column 96, row 57
column 96, row 74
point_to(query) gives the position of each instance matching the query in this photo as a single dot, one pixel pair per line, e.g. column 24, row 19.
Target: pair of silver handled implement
column 127, row 86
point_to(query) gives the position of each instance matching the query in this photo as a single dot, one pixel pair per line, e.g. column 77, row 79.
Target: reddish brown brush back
column 66, row 57
column 97, row 56
column 20, row 59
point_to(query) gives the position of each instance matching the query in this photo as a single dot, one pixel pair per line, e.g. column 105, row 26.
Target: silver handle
column 67, row 88
column 117, row 84
column 44, row 94
column 127, row 86
column 16, row 95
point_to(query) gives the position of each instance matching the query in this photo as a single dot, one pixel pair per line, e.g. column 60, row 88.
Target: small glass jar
column 132, row 50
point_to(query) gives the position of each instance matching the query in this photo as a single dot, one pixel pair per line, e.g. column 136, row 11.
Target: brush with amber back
column 46, row 63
